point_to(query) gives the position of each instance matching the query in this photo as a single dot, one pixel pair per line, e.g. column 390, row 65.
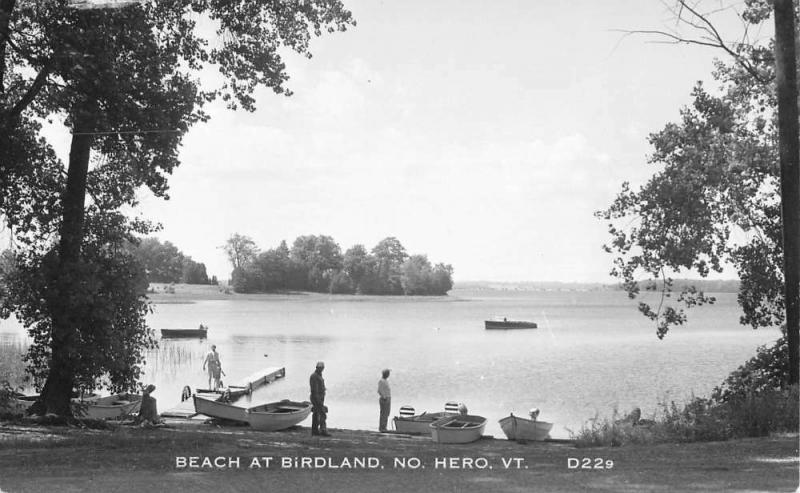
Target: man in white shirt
column 384, row 400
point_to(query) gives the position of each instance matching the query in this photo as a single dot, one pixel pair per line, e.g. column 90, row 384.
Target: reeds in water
column 12, row 366
column 172, row 359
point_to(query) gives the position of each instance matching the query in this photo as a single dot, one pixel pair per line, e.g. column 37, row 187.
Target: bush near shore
column 755, row 414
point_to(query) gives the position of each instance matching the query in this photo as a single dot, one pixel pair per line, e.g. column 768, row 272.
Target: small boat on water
column 200, row 332
column 109, row 407
column 517, row 428
column 419, row 424
column 458, row 429
column 276, row 416
column 219, row 409
column 506, row 324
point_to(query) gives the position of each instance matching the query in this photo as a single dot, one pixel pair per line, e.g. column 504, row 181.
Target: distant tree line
column 163, row 262
column 316, row 263
column 704, row 285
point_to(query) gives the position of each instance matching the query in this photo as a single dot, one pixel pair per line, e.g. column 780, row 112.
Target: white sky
column 484, row 134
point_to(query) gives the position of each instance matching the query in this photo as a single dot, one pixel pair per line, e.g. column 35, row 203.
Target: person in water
column 214, row 367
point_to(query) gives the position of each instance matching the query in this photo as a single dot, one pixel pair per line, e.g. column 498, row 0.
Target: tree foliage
column 125, row 83
column 163, row 262
column 315, row 263
column 714, row 200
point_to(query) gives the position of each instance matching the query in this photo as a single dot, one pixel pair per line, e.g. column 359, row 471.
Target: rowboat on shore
column 18, row 404
column 228, row 394
column 276, row 416
column 219, row 409
column 419, row 424
column 458, row 429
column 506, row 324
column 109, row 407
column 200, row 332
column 517, row 428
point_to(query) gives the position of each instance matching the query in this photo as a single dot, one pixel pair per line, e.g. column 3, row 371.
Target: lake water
column 593, row 352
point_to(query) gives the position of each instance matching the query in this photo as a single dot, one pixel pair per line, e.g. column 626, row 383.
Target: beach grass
column 698, row 420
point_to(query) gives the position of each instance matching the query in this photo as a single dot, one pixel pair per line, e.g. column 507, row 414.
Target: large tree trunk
column 61, row 376
column 789, row 149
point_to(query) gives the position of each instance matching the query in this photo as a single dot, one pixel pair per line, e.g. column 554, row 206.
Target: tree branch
column 30, row 94
column 711, row 37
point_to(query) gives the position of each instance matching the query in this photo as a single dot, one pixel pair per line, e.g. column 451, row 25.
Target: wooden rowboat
column 109, row 407
column 509, row 324
column 89, row 407
column 517, row 428
column 228, row 394
column 201, row 332
column 419, row 424
column 458, row 429
column 18, row 404
column 219, row 409
column 276, row 416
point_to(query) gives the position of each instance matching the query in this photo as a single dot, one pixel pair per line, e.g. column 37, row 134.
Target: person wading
column 384, row 400
column 319, row 410
column 214, row 368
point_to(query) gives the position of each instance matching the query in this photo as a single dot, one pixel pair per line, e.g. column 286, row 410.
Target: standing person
column 214, row 367
column 319, row 410
column 384, row 399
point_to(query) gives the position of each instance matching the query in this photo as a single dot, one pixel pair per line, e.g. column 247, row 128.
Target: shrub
column 766, row 371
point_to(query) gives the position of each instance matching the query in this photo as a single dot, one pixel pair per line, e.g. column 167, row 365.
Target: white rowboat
column 109, row 407
column 219, row 409
column 278, row 415
column 517, row 428
column 458, row 429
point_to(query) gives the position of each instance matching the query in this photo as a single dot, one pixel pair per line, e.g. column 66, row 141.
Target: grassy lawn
column 236, row 459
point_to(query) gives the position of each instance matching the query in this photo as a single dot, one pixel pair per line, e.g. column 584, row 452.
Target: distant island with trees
column 163, row 262
column 316, row 263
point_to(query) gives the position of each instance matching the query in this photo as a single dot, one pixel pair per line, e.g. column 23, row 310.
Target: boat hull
column 110, row 407
column 220, row 410
column 18, row 404
column 230, row 394
column 509, row 324
column 183, row 333
column 418, row 424
column 458, row 429
column 517, row 428
column 276, row 416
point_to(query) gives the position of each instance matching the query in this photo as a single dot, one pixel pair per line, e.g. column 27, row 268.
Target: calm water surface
column 592, row 353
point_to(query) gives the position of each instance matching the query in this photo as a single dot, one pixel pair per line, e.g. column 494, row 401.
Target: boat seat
column 406, row 411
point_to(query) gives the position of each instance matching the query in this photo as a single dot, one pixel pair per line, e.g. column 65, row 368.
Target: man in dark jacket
column 319, row 410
